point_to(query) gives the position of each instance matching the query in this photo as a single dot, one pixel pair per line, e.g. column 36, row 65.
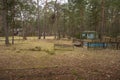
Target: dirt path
column 63, row 73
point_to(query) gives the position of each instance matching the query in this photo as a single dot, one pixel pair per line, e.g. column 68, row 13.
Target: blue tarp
column 95, row 44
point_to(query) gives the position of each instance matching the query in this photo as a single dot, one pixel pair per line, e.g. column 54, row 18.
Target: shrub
column 35, row 49
column 51, row 52
column 77, row 36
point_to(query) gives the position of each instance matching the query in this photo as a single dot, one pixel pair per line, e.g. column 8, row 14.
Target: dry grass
column 95, row 63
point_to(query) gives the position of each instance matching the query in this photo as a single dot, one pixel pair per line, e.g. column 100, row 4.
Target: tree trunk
column 55, row 29
column 103, row 18
column 5, row 22
column 13, row 22
column 45, row 20
column 24, row 30
column 38, row 21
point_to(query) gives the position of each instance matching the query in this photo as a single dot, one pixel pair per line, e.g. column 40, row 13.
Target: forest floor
column 37, row 60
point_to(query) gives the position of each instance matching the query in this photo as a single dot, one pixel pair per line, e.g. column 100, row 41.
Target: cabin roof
column 89, row 32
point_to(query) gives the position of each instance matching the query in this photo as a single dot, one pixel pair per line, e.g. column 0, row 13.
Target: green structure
column 89, row 35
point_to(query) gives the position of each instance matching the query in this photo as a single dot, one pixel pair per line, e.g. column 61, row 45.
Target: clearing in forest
column 37, row 60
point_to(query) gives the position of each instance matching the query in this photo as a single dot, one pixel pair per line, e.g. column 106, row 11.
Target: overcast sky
column 59, row 1
column 62, row 1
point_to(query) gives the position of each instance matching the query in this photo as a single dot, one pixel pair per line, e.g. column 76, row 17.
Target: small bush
column 35, row 49
column 51, row 52
column 18, row 51
column 78, row 36
column 74, row 72
column 38, row 48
